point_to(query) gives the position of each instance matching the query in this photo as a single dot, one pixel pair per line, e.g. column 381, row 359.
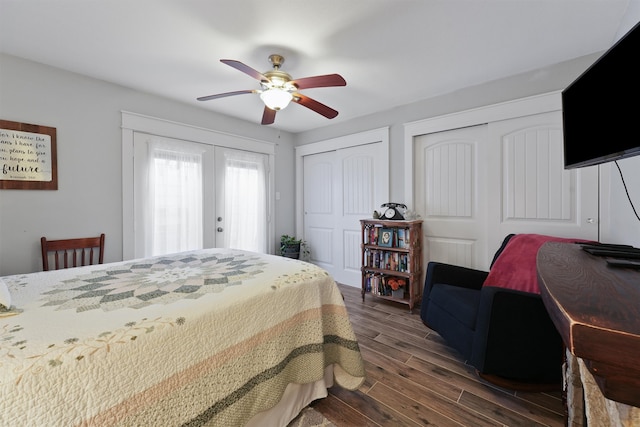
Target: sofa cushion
column 461, row 303
column 515, row 268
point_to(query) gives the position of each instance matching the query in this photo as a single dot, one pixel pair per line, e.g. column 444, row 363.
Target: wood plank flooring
column 415, row 379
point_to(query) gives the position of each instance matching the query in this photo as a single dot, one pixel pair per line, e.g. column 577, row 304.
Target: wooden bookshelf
column 392, row 255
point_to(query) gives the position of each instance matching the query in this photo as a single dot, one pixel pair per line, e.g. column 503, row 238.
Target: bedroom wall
column 620, row 222
column 519, row 86
column 86, row 114
column 617, row 220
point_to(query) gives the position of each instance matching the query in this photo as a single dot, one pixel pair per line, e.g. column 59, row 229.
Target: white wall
column 518, row 86
column 86, row 114
column 618, row 223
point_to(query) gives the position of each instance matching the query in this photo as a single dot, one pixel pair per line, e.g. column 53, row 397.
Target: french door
column 241, row 199
column 190, row 195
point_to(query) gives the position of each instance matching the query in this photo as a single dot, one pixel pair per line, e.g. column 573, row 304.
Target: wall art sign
column 28, row 159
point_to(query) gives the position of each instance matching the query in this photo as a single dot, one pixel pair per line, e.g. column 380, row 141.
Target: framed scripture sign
column 28, row 159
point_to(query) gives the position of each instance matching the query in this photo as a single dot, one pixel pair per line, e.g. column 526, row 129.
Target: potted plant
column 290, row 247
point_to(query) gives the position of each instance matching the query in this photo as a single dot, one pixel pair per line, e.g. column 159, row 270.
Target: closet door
column 450, row 192
column 321, row 199
column 475, row 185
column 531, row 192
column 340, row 188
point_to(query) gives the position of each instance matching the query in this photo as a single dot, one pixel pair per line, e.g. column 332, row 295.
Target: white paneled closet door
column 321, row 207
column 475, row 185
column 450, row 192
column 533, row 193
column 340, row 188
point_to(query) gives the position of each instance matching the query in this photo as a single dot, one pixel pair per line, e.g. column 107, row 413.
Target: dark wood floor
column 414, row 378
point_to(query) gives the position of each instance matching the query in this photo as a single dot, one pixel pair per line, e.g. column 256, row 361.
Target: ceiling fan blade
column 320, row 81
column 245, row 69
column 314, row 105
column 223, row 95
column 268, row 116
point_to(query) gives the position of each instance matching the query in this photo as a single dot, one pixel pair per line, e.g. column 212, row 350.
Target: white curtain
column 245, row 200
column 174, row 198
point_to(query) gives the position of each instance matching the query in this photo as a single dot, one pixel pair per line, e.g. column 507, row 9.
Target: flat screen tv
column 601, row 108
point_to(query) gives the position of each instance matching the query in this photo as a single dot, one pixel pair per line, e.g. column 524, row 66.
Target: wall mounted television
column 601, row 108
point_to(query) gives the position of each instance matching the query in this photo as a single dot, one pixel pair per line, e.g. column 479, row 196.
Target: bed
column 210, row 337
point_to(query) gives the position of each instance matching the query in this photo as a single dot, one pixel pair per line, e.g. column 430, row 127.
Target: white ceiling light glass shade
column 276, row 98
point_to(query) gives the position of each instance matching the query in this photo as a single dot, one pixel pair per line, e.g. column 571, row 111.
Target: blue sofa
column 506, row 334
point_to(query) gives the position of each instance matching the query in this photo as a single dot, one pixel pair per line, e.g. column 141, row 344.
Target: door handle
column 220, row 230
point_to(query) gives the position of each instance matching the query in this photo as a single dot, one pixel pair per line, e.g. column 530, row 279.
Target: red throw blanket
column 515, row 268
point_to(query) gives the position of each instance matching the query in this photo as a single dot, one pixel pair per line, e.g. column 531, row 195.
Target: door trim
column 375, row 135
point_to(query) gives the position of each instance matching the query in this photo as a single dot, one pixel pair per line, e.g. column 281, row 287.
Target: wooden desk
column 596, row 309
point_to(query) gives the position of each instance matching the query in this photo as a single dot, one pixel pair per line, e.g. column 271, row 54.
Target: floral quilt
column 208, row 337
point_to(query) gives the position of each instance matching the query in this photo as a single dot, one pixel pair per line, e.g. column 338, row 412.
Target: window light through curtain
column 175, row 198
column 245, row 201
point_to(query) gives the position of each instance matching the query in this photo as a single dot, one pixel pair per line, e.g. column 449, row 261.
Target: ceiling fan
column 278, row 89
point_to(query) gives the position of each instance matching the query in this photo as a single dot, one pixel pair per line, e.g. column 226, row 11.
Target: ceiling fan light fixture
column 276, row 98
column 278, row 89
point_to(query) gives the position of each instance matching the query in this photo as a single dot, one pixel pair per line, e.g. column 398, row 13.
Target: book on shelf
column 379, row 284
column 371, row 235
column 401, row 233
column 401, row 237
column 386, row 260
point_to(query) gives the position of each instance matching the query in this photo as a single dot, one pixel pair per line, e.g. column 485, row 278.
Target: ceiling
column 390, row 52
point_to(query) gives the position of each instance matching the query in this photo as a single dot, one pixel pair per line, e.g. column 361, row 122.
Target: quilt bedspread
column 207, row 337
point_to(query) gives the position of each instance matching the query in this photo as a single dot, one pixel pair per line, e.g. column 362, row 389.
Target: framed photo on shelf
column 385, row 237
